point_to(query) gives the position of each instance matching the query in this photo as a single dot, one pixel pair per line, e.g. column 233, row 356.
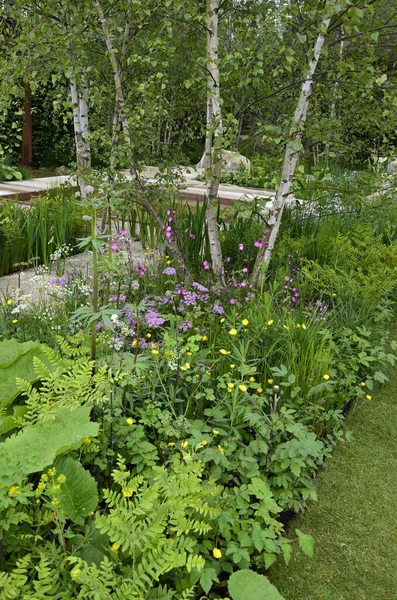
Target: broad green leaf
column 306, row 543
column 78, row 496
column 36, row 446
column 16, row 360
column 247, row 585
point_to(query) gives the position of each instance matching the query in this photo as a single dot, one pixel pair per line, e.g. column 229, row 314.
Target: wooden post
column 26, row 145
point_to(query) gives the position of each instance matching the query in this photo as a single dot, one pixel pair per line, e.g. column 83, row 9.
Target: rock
column 62, row 170
column 232, row 161
column 392, row 165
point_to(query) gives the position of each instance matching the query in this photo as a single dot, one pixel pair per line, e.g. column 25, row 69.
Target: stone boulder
column 232, row 161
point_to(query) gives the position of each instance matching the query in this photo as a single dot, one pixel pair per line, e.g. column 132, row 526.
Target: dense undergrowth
column 153, row 446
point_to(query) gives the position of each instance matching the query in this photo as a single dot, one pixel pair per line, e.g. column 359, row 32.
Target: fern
column 11, row 584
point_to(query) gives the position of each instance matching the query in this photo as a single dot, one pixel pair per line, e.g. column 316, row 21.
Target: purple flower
column 245, row 270
column 199, row 287
column 169, row 271
column 122, row 232
column 185, row 326
column 153, row 319
column 219, row 309
column 206, row 265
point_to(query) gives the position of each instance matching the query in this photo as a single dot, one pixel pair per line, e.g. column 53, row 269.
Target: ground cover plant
column 201, row 412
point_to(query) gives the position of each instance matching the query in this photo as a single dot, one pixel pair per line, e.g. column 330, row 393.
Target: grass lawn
column 354, row 522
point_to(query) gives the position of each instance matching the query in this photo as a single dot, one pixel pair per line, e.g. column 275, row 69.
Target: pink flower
column 232, row 301
column 258, row 244
column 206, row 265
column 241, row 246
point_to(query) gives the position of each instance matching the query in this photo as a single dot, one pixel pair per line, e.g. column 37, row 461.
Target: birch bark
column 81, row 132
column 213, row 140
column 291, row 157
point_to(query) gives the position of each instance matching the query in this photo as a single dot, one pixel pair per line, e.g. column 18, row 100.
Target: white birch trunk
column 213, row 140
column 81, row 133
column 291, row 157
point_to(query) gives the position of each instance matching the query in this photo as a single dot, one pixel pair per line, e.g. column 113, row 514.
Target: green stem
column 94, row 286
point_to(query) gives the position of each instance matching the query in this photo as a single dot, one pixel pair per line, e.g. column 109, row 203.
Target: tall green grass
column 29, row 235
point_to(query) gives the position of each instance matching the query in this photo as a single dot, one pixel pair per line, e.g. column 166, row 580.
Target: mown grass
column 354, row 522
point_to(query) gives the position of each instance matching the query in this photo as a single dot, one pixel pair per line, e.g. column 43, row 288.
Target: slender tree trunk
column 213, row 139
column 291, row 157
column 81, row 132
column 139, row 187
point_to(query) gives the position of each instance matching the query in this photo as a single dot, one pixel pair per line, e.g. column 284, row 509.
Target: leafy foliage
column 247, row 584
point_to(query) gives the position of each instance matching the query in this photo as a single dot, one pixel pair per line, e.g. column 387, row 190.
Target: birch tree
column 291, row 157
column 213, row 138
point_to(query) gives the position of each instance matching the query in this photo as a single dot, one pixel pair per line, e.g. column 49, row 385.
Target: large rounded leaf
column 247, row 585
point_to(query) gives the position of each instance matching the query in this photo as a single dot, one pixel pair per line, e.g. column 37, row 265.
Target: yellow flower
column 86, row 440
column 115, row 547
column 220, row 448
column 270, row 322
column 233, row 331
column 52, row 471
column 242, row 387
column 368, row 397
column 148, row 335
column 286, row 327
column 230, row 385
column 334, row 295
column 129, row 421
column 362, row 383
column 14, row 489
column 185, row 367
column 9, row 302
column 223, row 320
column 252, row 379
column 259, row 390
column 155, row 351
column 75, row 573
column 204, row 338
column 326, row 377
column 270, row 381
column 44, row 477
column 245, row 322
column 204, row 443
column 15, row 321
column 215, row 432
column 127, row 493
column 189, row 353
column 223, row 351
column 54, row 501
column 61, row 478
column 171, row 443
column 232, row 366
column 303, row 326
column 185, row 444
column 216, row 553
column 134, row 343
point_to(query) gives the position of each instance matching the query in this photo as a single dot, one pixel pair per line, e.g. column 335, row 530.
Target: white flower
column 114, row 318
